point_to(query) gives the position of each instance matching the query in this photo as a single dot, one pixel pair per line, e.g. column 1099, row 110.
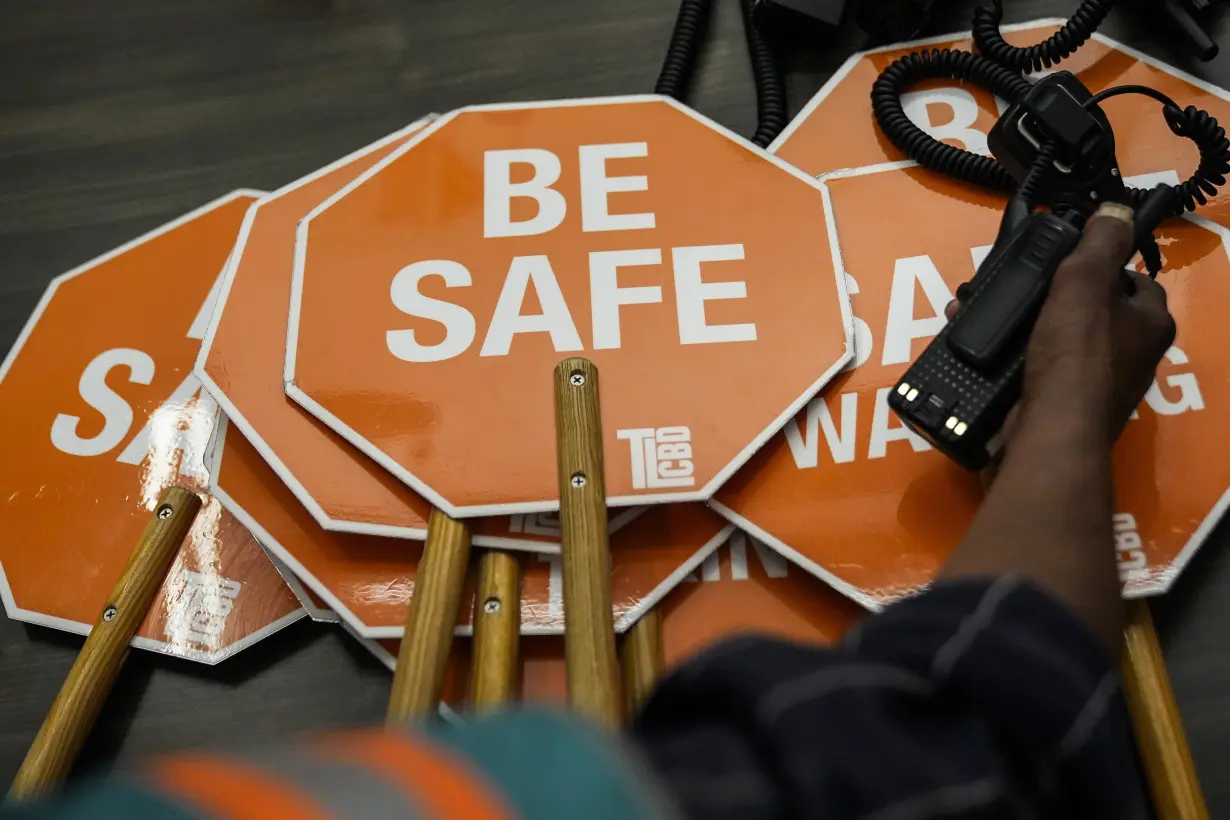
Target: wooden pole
column 85, row 689
column 497, row 624
column 1156, row 722
column 422, row 660
column 589, row 627
column 643, row 659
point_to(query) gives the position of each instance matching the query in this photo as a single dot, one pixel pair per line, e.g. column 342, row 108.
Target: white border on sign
column 363, row 630
column 1158, row 584
column 848, row 66
column 633, row 614
column 704, row 493
column 232, row 411
column 1202, row 531
column 319, row 614
column 781, row 547
column 389, row 661
column 78, row 627
column 267, row 541
column 229, row 407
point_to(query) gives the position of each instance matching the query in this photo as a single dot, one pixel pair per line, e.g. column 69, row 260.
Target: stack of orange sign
column 386, row 329
column 382, row 335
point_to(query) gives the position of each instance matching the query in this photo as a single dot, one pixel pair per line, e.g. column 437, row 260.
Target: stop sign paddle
column 434, row 294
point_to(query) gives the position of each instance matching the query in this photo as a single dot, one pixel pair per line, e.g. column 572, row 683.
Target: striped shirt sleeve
column 976, row 699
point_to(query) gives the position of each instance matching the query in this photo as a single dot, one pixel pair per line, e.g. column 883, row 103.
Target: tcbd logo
column 661, row 457
column 1129, row 549
column 536, row 524
column 199, row 611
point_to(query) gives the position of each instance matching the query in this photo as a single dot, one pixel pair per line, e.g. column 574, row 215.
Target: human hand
column 1101, row 332
column 1091, row 356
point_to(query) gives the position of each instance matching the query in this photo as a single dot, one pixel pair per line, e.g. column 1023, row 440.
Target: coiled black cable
column 681, row 54
column 1192, row 123
column 1031, row 185
column 918, row 144
column 685, row 42
column 1061, row 44
column 770, row 87
column 1201, row 128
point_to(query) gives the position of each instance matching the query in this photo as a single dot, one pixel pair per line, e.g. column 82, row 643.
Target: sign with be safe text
column 435, row 294
column 240, row 364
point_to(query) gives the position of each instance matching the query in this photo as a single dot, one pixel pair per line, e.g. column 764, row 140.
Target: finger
column 1106, row 242
column 1105, row 245
column 1150, row 303
column 950, row 310
column 1148, row 291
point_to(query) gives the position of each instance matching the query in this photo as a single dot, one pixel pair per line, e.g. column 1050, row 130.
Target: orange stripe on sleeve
column 229, row 789
column 434, row 778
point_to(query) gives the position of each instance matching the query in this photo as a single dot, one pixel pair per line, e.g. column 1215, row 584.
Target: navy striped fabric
column 976, row 699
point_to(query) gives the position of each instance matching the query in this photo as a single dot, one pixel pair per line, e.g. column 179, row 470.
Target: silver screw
column 165, row 512
column 491, row 606
column 1093, row 195
column 578, row 480
column 1114, row 172
column 577, row 378
column 109, row 613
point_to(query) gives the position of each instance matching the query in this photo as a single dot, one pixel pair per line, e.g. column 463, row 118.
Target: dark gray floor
column 117, row 116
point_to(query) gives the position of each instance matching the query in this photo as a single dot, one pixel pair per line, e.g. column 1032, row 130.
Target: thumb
column 1106, row 245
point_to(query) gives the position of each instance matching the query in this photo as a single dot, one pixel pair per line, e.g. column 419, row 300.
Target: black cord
column 1196, row 125
column 686, row 37
column 1075, row 32
column 1030, row 186
column 1118, row 90
column 685, row 42
column 770, row 86
column 918, row 144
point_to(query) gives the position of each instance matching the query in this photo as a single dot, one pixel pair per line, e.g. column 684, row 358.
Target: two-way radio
column 1053, row 148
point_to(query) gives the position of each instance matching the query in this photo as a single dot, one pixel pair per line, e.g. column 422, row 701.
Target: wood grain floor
column 117, row 116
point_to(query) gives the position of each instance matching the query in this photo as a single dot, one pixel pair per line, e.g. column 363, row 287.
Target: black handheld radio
column 1056, row 140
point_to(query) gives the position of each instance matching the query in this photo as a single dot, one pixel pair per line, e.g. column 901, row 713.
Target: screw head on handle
column 109, row 613
column 491, row 606
column 165, row 512
column 577, row 378
column 578, row 480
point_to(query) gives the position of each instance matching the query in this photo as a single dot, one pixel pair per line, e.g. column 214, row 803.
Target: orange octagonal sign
column 434, row 295
column 99, row 412
column 240, row 364
column 369, row 580
column 856, row 497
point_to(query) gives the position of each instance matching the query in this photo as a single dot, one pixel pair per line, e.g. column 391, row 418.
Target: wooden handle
column 589, row 626
column 1155, row 719
column 85, row 689
column 643, row 659
column 497, row 624
column 422, row 661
